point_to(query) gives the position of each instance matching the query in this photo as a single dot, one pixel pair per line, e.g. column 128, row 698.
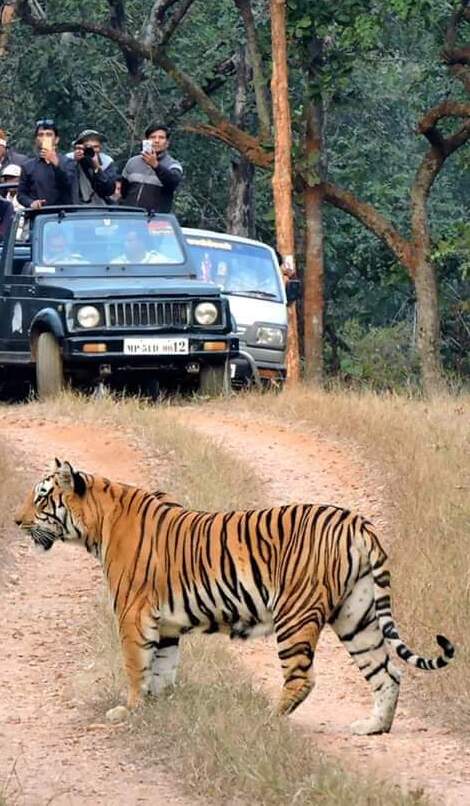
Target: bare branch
column 372, row 219
column 220, row 73
column 124, row 40
column 175, row 20
column 229, row 134
column 254, row 55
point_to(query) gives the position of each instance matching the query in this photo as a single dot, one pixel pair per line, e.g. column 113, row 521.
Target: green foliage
column 380, row 358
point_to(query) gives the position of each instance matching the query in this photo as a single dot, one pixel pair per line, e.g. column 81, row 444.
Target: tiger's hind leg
column 357, row 626
column 164, row 665
column 296, row 651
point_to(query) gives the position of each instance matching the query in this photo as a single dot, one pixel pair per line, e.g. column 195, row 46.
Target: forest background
column 379, row 101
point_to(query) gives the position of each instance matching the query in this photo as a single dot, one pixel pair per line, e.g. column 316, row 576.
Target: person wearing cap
column 93, row 173
column 11, row 176
column 150, row 179
column 8, row 155
column 45, row 179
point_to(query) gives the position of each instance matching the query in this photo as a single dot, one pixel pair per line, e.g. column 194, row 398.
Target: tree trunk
column 428, row 326
column 282, row 178
column 240, row 209
column 313, row 285
column 313, row 278
column 240, row 216
column 7, row 13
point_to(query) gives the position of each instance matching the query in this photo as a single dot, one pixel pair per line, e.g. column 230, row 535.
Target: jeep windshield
column 109, row 243
column 239, row 268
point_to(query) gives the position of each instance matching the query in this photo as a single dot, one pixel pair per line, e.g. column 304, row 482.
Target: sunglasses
column 45, row 122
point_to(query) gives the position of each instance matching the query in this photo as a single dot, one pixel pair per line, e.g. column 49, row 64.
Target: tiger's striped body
column 289, row 569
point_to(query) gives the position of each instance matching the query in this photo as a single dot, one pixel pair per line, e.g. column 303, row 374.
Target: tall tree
column 282, row 177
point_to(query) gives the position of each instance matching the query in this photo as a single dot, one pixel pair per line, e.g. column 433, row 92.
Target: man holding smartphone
column 45, row 179
column 150, row 179
column 93, row 173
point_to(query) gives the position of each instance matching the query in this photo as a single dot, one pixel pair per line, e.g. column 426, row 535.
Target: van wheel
column 214, row 380
column 49, row 367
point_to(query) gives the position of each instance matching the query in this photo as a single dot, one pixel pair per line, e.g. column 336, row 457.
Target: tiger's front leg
column 139, row 635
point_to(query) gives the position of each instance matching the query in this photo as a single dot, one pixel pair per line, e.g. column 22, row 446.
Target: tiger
column 287, row 570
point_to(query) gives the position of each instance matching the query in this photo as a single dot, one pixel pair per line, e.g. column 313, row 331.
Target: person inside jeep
column 58, row 251
column 137, row 250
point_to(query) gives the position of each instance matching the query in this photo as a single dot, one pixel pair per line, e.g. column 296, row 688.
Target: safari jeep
column 90, row 294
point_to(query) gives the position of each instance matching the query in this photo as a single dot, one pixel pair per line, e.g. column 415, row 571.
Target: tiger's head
column 54, row 509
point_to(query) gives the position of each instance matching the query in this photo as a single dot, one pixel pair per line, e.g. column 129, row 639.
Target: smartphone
column 147, row 147
column 47, row 140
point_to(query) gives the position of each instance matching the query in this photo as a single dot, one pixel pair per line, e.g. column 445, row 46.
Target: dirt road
column 46, row 744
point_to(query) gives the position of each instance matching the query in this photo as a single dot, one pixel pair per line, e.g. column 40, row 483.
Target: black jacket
column 42, row 180
column 6, row 215
column 153, row 189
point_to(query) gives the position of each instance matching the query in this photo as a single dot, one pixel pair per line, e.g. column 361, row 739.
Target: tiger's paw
column 367, row 727
column 117, row 714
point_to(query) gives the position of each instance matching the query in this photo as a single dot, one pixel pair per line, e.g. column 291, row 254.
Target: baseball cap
column 87, row 133
column 11, row 170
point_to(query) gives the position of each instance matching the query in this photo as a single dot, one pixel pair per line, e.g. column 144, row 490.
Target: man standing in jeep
column 150, row 179
column 45, row 178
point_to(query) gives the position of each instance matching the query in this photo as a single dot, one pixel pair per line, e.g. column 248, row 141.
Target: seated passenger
column 58, row 252
column 136, row 251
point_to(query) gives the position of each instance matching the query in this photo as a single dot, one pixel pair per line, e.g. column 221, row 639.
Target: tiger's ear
column 64, row 473
column 68, row 478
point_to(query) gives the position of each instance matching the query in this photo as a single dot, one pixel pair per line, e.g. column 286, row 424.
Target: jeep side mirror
column 293, row 288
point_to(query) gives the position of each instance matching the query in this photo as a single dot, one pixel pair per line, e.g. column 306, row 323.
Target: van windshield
column 108, row 241
column 237, row 267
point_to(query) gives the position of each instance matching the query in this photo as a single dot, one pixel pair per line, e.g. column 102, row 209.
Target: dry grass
column 215, row 733
column 421, row 449
column 8, row 492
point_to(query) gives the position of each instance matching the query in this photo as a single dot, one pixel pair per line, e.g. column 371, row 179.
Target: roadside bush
column 381, row 358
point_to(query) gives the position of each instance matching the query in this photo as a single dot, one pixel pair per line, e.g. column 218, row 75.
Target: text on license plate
column 156, row 346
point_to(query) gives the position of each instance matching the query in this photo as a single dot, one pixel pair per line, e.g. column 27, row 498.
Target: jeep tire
column 214, row 380
column 49, row 367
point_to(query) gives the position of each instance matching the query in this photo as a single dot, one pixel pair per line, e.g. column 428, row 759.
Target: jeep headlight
column 206, row 313
column 88, row 316
column 270, row 336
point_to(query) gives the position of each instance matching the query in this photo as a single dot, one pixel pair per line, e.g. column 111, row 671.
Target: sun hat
column 11, row 170
column 86, row 134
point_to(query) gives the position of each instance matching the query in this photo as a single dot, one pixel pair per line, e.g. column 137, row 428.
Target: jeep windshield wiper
column 254, row 292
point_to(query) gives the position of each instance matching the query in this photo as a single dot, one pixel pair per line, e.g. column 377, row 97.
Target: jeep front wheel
column 49, row 366
column 213, row 380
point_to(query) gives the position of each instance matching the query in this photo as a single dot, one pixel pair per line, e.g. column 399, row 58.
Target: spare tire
column 49, row 367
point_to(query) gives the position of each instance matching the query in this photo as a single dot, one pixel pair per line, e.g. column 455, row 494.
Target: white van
column 248, row 273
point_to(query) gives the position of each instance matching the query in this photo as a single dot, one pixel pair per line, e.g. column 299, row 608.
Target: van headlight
column 270, row 336
column 206, row 313
column 88, row 316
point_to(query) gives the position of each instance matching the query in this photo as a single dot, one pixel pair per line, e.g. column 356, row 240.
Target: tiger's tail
column 382, row 590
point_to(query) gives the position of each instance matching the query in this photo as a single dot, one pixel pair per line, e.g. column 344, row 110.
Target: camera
column 89, row 151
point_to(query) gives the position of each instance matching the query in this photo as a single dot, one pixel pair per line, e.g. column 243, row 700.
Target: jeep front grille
column 126, row 315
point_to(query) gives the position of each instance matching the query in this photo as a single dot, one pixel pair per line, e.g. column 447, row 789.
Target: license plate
column 156, row 346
